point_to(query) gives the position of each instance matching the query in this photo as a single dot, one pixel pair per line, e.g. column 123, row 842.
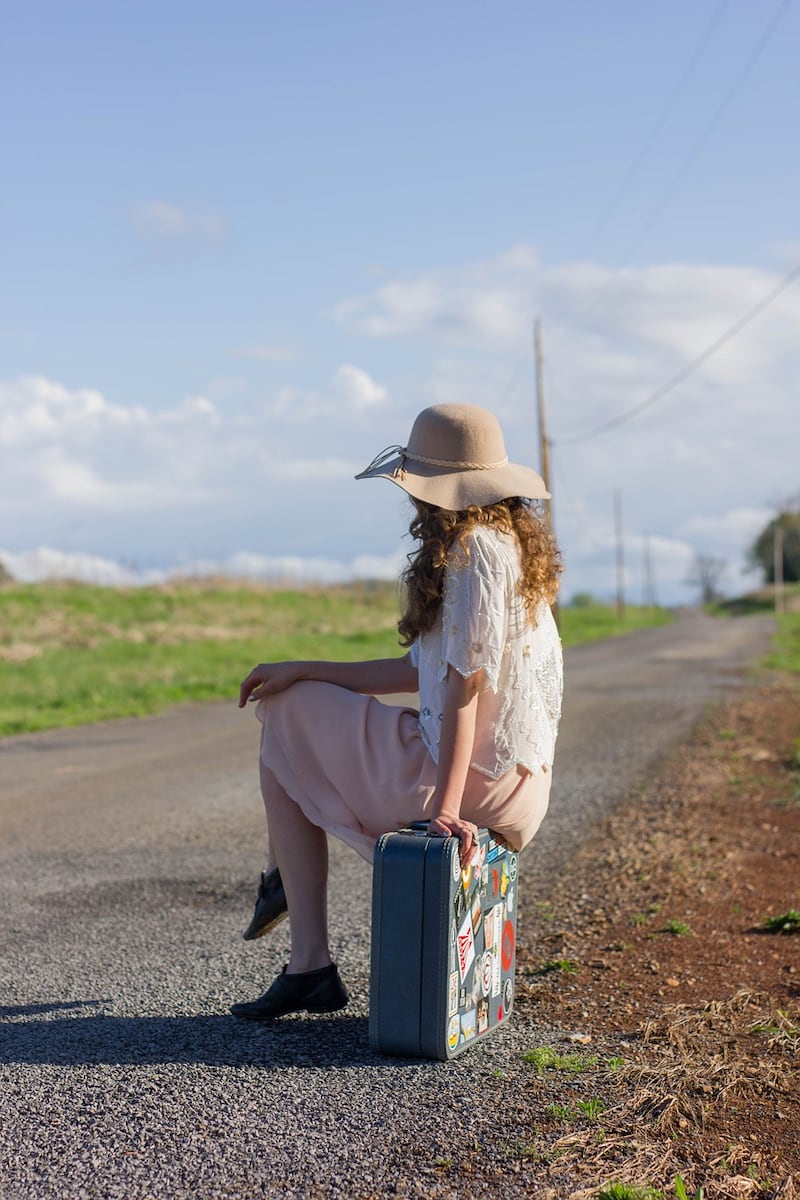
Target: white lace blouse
column 483, row 623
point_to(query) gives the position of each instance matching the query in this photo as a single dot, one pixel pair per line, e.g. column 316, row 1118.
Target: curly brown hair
column 439, row 529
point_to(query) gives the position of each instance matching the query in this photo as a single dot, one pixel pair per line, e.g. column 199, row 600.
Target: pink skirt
column 359, row 768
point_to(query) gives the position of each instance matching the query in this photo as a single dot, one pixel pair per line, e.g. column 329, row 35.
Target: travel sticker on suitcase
column 444, row 943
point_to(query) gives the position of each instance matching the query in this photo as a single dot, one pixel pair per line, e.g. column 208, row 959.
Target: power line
column 659, row 123
column 691, row 367
column 716, row 117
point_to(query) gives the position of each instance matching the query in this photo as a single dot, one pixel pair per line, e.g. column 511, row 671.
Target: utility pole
column 777, row 551
column 544, row 441
column 620, row 555
column 648, row 584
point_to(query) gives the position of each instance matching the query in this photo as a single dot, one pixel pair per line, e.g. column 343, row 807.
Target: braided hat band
column 448, row 463
column 456, row 459
column 457, row 466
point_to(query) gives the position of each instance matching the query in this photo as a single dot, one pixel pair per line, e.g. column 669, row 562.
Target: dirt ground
column 678, row 1013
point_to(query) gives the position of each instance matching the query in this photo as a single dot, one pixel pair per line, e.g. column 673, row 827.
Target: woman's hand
column 266, row 679
column 465, row 831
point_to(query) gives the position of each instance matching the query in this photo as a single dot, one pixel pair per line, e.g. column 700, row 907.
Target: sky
column 243, row 244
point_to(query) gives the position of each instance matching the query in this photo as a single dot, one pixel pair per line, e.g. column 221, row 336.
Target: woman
column 484, row 655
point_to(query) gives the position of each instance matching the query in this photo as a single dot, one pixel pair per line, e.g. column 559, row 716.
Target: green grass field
column 785, row 652
column 72, row 654
column 595, row 621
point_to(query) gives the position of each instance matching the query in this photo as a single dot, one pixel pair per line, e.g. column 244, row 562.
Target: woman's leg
column 300, row 850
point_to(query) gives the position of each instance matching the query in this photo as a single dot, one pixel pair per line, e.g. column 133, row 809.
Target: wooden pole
column 646, row 582
column 544, row 441
column 777, row 550
column 620, row 555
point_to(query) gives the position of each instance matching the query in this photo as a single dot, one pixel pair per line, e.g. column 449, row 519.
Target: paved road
column 128, row 854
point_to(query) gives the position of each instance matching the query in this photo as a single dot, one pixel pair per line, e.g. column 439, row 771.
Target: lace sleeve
column 474, row 612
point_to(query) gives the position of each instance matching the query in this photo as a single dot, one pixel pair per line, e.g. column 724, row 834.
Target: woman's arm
column 377, row 677
column 455, row 755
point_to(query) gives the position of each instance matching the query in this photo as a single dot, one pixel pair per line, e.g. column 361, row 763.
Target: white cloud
column 72, row 448
column 619, row 320
column 671, row 313
column 193, row 406
column 306, row 469
column 490, row 301
column 162, row 223
column 357, row 389
column 725, row 531
column 34, row 566
column 272, row 354
column 83, row 473
column 787, row 254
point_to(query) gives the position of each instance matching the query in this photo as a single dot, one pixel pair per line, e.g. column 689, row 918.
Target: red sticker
column 507, row 951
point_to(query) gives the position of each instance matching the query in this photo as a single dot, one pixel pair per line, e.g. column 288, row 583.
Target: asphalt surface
column 129, row 856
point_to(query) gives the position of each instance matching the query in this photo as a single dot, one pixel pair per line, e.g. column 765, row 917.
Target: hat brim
column 457, row 490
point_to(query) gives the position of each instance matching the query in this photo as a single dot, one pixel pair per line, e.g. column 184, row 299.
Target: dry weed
column 689, row 1060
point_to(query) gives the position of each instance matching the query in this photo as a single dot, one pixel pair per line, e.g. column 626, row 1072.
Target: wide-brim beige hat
column 456, row 459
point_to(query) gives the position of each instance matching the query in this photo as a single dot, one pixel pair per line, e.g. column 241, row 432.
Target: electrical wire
column 691, row 367
column 716, row 117
column 666, row 111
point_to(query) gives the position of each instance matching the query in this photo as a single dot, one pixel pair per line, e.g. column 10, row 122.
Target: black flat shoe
column 270, row 906
column 317, row 991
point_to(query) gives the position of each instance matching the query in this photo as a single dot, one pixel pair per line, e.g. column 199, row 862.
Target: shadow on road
column 218, row 1041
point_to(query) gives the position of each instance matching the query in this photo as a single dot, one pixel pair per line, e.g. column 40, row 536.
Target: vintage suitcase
column 443, row 943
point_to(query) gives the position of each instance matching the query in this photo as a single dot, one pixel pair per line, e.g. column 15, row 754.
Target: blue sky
column 244, row 244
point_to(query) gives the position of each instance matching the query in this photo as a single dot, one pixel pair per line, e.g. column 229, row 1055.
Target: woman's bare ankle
column 299, row 964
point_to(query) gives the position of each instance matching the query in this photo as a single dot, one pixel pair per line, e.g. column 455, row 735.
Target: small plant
column 792, row 801
column 615, row 1063
column 559, row 1112
column 794, row 758
column 788, row 922
column 544, row 1058
column 444, row 1163
column 628, row 1191
column 726, row 735
column 677, row 929
column 565, row 965
column 528, row 1151
column 783, row 1032
column 592, row 1108
column 639, row 918
column 682, row 1193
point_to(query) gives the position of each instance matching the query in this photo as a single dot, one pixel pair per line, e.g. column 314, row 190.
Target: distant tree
column 582, row 600
column 762, row 552
column 5, row 574
column 705, row 574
